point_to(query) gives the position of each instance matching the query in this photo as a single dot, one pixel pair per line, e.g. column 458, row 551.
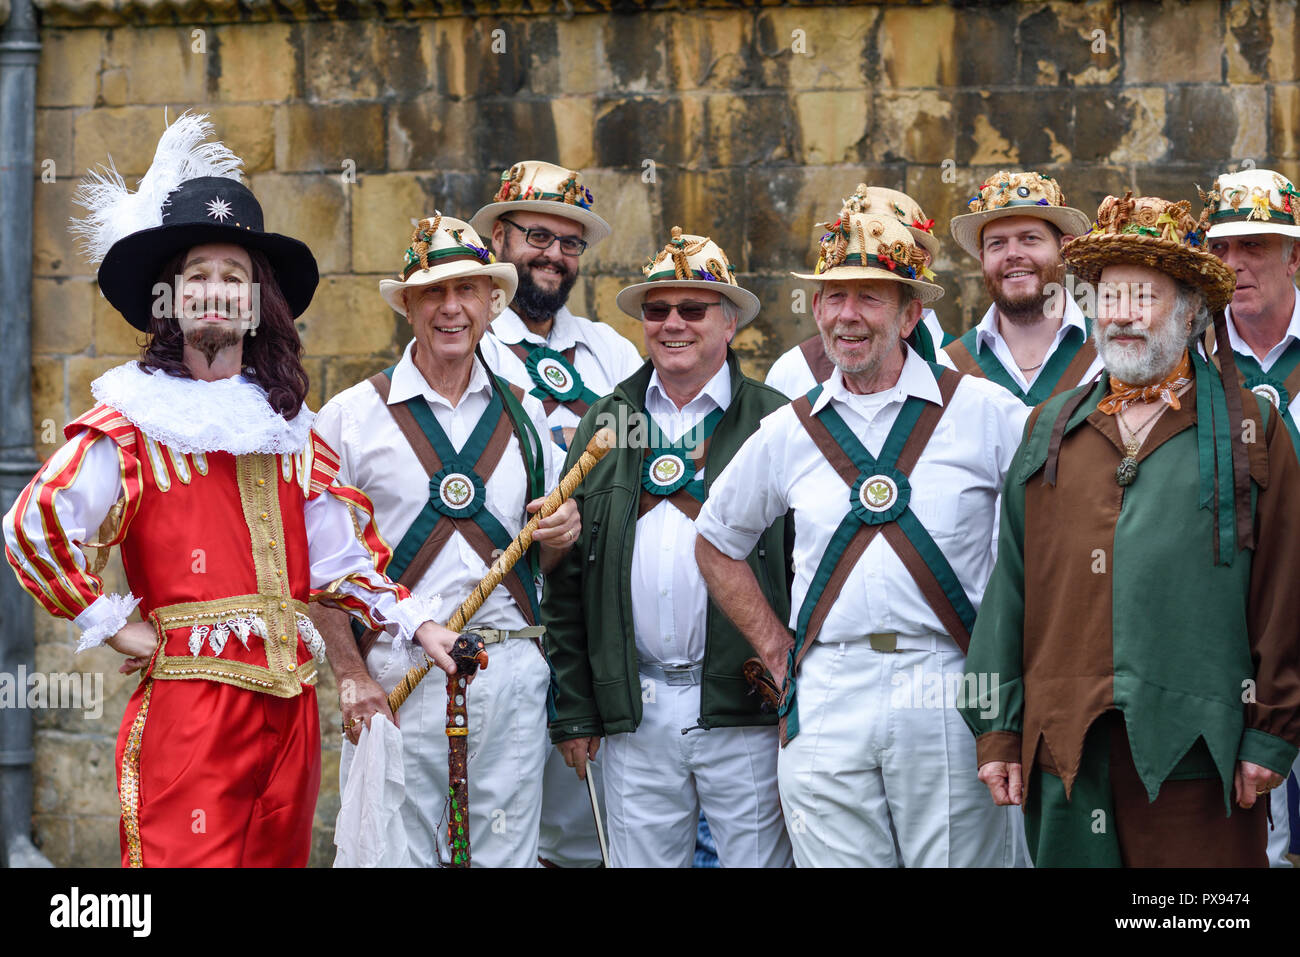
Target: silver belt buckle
column 886, row 641
column 680, row 674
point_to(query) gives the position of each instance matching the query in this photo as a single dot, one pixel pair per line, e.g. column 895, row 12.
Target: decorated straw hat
column 1149, row 231
column 883, row 201
column 688, row 262
column 444, row 248
column 190, row 196
column 543, row 188
column 872, row 246
column 1250, row 202
column 1016, row 194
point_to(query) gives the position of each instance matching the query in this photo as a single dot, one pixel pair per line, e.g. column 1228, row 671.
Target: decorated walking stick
column 469, row 656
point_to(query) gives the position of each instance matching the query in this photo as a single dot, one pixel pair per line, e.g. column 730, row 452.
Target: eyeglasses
column 691, row 311
column 542, row 239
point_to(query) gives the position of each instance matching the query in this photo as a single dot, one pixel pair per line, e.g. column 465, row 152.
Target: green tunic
column 1109, row 598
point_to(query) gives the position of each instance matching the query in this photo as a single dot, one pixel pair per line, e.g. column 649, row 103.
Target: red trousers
column 226, row 777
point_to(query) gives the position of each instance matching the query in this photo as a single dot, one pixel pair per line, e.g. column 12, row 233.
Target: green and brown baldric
column 458, row 503
column 1062, row 372
column 1279, row 384
column 879, row 502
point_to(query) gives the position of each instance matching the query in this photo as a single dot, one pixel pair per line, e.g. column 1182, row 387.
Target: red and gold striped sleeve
column 64, row 506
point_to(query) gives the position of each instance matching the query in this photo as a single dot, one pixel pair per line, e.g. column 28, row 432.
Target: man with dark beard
column 541, row 221
column 201, row 463
column 1033, row 340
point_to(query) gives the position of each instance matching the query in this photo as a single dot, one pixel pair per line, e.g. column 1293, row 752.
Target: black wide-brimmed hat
column 190, row 196
column 209, row 209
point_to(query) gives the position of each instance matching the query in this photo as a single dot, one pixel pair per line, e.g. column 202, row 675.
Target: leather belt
column 672, row 674
column 493, row 635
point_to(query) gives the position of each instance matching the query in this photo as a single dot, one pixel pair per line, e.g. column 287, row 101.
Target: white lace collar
column 231, row 415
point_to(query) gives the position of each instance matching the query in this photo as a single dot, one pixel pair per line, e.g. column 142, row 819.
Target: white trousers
column 657, row 780
column 1279, row 836
column 882, row 772
column 568, row 833
column 507, row 748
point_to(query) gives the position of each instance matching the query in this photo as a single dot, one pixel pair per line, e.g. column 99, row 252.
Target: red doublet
column 218, row 756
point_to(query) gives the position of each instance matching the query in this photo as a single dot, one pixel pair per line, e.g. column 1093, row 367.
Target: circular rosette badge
column 1274, row 391
column 880, row 497
column 666, row 470
column 554, row 374
column 456, row 494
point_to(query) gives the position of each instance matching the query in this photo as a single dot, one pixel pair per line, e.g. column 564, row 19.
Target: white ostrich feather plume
column 114, row 212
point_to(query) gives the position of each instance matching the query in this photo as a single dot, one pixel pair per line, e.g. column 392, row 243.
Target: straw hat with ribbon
column 543, row 188
column 445, row 248
column 1250, row 202
column 689, row 262
column 872, row 246
column 1015, row 194
column 1149, row 231
column 882, row 201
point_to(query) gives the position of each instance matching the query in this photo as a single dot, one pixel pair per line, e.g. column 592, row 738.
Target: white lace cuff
column 105, row 617
column 408, row 615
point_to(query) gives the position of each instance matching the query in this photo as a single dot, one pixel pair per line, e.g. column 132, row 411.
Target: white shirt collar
column 987, row 332
column 1292, row 332
column 566, row 331
column 715, row 394
column 409, row 381
column 916, row 379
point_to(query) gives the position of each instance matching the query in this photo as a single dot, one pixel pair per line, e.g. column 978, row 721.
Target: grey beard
column 1157, row 361
column 209, row 340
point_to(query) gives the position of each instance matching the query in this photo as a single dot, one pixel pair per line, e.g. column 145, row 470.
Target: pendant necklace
column 1127, row 471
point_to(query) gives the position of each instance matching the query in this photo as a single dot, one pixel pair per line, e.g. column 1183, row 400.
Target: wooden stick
column 600, row 444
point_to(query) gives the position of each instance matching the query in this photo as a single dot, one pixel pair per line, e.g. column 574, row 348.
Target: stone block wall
column 746, row 121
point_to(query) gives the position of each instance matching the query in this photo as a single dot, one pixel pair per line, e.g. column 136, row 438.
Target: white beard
column 1142, row 364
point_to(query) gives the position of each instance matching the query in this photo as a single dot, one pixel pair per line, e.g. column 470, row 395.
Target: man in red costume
column 200, row 462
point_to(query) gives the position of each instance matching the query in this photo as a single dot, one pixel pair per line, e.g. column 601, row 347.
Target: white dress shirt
column 669, row 600
column 376, row 458
column 791, row 375
column 602, row 357
column 955, row 486
column 989, row 336
column 1240, row 347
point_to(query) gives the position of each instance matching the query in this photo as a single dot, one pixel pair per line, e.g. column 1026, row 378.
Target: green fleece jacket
column 587, row 603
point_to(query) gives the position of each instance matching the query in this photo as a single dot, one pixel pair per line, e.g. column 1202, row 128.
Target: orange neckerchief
column 1123, row 395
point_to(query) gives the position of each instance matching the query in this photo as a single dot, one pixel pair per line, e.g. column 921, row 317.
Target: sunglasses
column 691, row 311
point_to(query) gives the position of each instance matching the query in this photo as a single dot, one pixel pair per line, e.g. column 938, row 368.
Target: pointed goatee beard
column 211, row 339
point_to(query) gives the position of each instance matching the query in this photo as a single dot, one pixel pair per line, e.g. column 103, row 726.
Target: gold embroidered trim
column 282, row 677
column 241, row 674
column 286, row 467
column 129, row 795
column 157, row 465
column 258, row 477
column 181, row 464
column 200, row 463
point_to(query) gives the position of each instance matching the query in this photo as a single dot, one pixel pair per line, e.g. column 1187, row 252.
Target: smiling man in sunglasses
column 640, row 655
